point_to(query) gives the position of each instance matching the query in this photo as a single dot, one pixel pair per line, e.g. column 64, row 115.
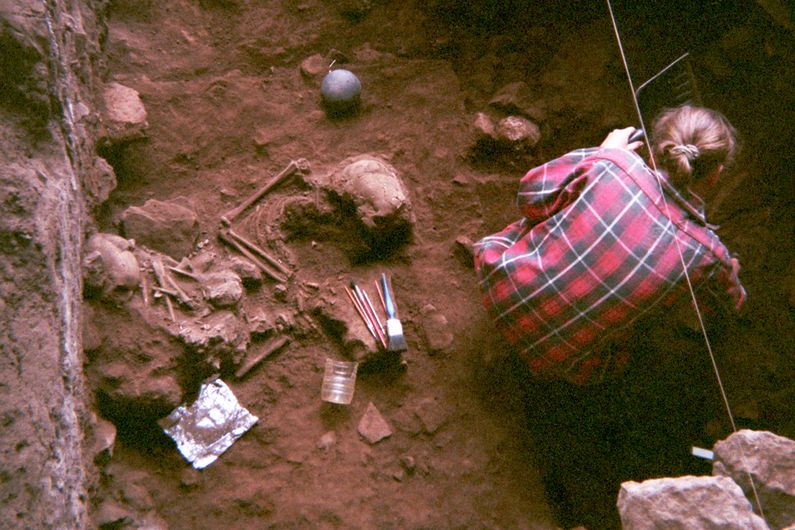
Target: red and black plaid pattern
column 595, row 250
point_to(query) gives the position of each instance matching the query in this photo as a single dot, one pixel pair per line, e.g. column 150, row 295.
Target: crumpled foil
column 207, row 428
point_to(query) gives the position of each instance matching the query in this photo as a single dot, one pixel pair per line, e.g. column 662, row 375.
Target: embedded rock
column 124, row 115
column 518, row 132
column 516, row 98
column 169, row 227
column 769, row 460
column 220, row 336
column 438, row 336
column 373, row 427
column 686, row 503
column 222, row 289
column 335, row 312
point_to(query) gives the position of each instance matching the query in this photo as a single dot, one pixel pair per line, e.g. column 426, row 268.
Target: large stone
column 123, row 114
column 222, row 289
column 768, row 460
column 336, row 313
column 220, row 336
column 686, row 503
column 166, row 226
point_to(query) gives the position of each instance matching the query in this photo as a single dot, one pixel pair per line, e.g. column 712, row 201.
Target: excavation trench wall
column 47, row 168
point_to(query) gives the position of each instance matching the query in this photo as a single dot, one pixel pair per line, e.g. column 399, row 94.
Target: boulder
column 769, row 460
column 686, row 503
column 169, row 227
column 123, row 114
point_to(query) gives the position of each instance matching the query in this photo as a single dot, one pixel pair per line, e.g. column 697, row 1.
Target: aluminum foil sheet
column 207, row 428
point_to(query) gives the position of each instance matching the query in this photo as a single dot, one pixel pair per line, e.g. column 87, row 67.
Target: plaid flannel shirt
column 598, row 247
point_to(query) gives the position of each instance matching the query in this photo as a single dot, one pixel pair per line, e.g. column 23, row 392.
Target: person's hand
column 619, row 139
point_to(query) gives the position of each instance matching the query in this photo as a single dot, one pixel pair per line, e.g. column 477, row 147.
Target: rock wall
column 47, row 167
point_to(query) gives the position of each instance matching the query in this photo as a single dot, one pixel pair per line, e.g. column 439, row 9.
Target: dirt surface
column 228, row 106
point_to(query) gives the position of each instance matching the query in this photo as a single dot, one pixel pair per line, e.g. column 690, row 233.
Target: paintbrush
column 394, row 329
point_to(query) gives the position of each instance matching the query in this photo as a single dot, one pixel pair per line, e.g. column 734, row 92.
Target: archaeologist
column 599, row 245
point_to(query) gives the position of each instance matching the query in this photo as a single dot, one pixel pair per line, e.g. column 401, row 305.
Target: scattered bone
column 253, row 360
column 301, row 165
column 163, row 290
column 185, row 273
column 373, row 427
column 257, row 250
column 224, row 236
column 167, row 282
column 145, row 288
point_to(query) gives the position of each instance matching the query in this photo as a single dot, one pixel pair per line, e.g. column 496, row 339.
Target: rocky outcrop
column 49, row 177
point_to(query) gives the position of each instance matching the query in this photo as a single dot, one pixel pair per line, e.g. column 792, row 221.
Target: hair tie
column 690, row 151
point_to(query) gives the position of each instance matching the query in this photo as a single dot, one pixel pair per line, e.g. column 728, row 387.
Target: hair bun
column 690, row 151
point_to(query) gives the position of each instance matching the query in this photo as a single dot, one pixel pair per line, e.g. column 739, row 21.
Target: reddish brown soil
column 216, row 76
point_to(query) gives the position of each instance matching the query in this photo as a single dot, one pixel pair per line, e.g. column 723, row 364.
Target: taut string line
column 679, row 249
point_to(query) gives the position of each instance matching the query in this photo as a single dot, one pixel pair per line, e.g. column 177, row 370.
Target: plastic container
column 339, row 382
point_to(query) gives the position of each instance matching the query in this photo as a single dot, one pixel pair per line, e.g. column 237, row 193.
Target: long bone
column 224, row 236
column 258, row 250
column 301, row 165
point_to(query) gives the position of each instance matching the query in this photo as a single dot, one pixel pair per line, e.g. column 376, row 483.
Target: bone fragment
column 257, row 358
column 185, row 273
column 157, row 267
column 224, row 236
column 258, row 250
column 300, row 165
column 165, row 291
column 145, row 288
column 166, row 281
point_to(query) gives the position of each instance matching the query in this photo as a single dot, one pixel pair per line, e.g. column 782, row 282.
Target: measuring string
column 679, row 250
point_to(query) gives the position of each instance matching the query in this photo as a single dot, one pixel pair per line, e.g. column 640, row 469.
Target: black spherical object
column 340, row 91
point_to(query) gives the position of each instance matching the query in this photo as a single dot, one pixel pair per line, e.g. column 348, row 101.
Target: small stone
column 484, row 125
column 327, row 441
column 399, row 475
column 408, row 463
column 280, row 292
column 111, row 514
column 430, row 415
column 518, row 132
column 314, row 65
column 373, row 427
column 104, row 441
column 437, row 330
column 190, row 478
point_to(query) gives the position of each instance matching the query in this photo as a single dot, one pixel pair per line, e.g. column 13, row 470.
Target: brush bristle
column 394, row 331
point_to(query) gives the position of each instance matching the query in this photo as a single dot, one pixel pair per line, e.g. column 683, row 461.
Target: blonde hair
column 690, row 142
